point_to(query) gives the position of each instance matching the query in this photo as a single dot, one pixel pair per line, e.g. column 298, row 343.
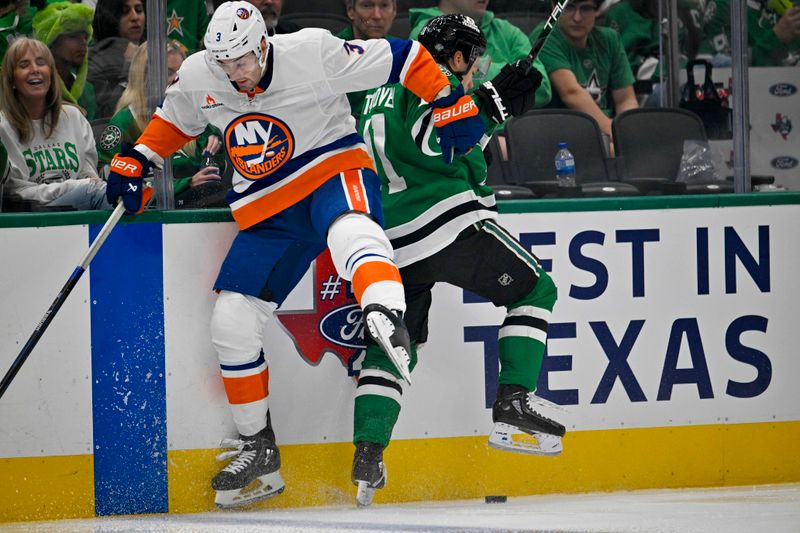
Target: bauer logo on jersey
column 258, row 145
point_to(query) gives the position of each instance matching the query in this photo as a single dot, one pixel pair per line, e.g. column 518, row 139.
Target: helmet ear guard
column 236, row 29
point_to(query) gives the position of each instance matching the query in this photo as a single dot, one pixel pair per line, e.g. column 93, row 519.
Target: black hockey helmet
column 444, row 35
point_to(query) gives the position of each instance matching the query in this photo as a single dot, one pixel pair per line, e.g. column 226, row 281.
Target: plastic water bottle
column 565, row 166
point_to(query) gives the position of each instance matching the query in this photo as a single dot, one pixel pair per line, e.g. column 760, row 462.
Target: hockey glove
column 125, row 180
column 511, row 93
column 458, row 126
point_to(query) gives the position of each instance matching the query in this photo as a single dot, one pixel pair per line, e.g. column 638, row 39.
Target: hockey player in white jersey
column 303, row 181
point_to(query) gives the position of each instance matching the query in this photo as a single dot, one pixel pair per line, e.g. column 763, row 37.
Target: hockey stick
column 61, row 297
column 548, row 27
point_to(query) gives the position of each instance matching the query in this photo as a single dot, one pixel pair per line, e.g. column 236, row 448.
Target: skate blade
column 382, row 330
column 261, row 488
column 510, row 439
column 364, row 494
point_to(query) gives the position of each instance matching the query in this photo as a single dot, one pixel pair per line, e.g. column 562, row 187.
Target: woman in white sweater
column 52, row 160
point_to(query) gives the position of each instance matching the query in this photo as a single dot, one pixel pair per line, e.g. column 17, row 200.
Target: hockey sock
column 523, row 335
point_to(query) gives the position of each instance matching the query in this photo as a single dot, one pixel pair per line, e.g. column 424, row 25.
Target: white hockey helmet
column 235, row 30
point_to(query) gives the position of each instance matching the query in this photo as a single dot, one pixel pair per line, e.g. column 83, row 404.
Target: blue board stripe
column 128, row 372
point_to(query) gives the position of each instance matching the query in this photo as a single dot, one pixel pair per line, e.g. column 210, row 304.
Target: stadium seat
column 533, row 140
column 497, row 174
column 649, row 143
column 330, row 21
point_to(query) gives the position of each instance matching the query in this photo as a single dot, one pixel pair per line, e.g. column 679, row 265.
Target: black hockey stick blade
column 61, row 298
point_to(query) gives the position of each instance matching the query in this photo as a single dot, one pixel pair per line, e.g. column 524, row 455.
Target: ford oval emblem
column 784, row 162
column 344, row 326
column 782, row 89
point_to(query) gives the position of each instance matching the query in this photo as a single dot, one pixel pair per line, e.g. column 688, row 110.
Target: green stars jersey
column 122, row 129
column 600, row 67
column 640, row 33
column 766, row 50
column 14, row 25
column 186, row 22
column 426, row 202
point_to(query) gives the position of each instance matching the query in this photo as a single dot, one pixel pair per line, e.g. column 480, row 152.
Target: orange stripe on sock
column 355, row 190
column 373, row 272
column 163, row 137
column 424, row 78
column 247, row 389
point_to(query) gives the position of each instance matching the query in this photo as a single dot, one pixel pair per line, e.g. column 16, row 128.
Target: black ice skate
column 254, row 473
column 514, row 414
column 369, row 472
column 389, row 331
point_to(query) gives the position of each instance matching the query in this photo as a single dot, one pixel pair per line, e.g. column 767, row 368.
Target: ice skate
column 369, row 472
column 388, row 330
column 518, row 427
column 252, row 475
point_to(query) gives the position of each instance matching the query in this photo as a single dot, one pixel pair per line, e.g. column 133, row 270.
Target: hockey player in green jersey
column 442, row 222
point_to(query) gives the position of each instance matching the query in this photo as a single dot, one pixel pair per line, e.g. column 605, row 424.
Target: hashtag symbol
column 330, row 288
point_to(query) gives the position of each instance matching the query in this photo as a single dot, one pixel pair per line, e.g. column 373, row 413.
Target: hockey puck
column 495, row 499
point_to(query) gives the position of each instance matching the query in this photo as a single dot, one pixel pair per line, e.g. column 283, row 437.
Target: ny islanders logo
column 335, row 324
column 258, row 145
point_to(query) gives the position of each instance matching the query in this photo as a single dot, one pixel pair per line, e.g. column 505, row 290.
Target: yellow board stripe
column 47, row 488
column 465, row 467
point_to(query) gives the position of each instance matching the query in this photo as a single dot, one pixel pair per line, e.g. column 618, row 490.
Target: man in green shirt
column 369, row 19
column 774, row 38
column 505, row 43
column 587, row 65
column 442, row 222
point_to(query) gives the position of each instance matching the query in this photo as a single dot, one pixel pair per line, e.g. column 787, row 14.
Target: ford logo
column 782, row 89
column 343, row 326
column 784, row 162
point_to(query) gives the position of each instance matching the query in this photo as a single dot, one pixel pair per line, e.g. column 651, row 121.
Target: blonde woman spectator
column 193, row 185
column 51, row 155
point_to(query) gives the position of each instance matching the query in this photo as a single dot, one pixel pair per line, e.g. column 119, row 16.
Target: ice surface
column 772, row 508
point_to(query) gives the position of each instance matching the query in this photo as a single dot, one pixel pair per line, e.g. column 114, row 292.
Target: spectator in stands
column 51, row 155
column 271, row 11
column 505, row 42
column 132, row 116
column 585, row 63
column 636, row 21
column 119, row 27
column 369, row 19
column 773, row 36
column 187, row 21
column 15, row 21
column 67, row 28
